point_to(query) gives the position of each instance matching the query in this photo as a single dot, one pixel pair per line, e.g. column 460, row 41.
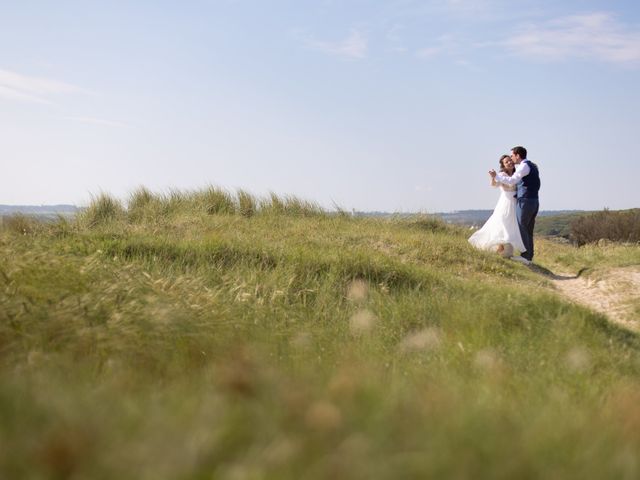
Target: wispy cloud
column 98, row 121
column 393, row 38
column 354, row 46
column 446, row 44
column 599, row 36
column 25, row 88
column 410, row 11
column 9, row 93
column 469, row 6
column 452, row 48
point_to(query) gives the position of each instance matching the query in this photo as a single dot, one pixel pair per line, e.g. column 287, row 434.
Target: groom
column 527, row 179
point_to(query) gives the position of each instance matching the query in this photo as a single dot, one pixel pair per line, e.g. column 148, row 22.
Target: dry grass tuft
column 247, row 204
column 102, row 210
column 20, row 224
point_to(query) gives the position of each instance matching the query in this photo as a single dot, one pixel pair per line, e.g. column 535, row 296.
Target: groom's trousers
column 526, row 211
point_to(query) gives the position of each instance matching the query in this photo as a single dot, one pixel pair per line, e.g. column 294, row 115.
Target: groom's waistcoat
column 529, row 186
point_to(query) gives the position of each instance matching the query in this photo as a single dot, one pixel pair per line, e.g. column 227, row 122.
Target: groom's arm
column 522, row 170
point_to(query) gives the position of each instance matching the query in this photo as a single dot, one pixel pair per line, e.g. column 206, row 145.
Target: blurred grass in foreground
column 198, row 335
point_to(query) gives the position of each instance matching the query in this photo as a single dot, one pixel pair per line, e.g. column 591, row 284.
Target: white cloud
column 466, row 64
column 428, row 52
column 394, row 39
column 598, row 36
column 445, row 44
column 354, row 46
column 15, row 86
column 98, row 121
column 12, row 94
column 469, row 6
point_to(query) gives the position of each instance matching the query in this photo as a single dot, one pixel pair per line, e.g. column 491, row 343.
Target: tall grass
column 102, row 210
column 19, row 223
column 289, row 205
column 214, row 200
column 144, row 205
column 247, row 204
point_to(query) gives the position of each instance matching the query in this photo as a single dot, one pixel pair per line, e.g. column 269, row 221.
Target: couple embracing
column 511, row 224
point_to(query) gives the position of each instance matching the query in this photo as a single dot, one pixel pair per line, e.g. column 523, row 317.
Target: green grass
column 179, row 338
column 568, row 258
column 103, row 209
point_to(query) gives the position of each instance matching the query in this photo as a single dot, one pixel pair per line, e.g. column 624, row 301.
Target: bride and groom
column 511, row 224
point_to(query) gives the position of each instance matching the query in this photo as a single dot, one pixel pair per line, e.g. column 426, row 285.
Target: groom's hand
column 492, row 173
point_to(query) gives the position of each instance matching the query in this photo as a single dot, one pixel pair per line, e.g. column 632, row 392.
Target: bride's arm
column 521, row 170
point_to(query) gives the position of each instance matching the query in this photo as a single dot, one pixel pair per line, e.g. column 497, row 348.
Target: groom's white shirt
column 522, row 170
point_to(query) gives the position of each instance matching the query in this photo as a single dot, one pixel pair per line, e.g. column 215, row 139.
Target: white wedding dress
column 502, row 226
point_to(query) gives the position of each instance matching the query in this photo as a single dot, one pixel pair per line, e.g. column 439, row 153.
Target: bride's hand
column 492, row 173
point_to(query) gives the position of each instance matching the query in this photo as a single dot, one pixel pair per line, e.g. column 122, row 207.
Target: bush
column 618, row 226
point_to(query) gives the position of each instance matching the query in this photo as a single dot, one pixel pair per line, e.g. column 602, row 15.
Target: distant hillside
column 549, row 222
column 37, row 209
column 472, row 218
column 552, row 223
column 557, row 225
column 477, row 217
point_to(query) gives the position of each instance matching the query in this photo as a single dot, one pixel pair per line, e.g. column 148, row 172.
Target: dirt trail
column 612, row 292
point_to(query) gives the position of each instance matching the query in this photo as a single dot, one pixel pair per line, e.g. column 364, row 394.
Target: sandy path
column 611, row 292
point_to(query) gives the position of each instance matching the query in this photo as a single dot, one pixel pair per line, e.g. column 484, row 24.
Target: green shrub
column 617, row 226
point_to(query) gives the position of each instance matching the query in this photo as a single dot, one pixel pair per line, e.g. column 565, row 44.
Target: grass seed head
column 362, row 322
column 578, row 360
column 357, row 290
column 301, row 340
column 426, row 339
column 323, row 416
column 486, row 360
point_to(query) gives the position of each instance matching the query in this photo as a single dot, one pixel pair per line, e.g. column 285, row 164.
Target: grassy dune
column 216, row 335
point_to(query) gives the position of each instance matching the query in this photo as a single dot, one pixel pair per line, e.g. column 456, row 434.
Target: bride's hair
column 501, row 161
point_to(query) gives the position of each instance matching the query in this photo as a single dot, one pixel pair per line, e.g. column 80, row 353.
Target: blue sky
column 394, row 105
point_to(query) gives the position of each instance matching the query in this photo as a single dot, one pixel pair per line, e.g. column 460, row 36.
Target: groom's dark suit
column 527, row 205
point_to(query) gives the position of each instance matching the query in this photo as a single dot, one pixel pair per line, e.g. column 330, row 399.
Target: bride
column 501, row 232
